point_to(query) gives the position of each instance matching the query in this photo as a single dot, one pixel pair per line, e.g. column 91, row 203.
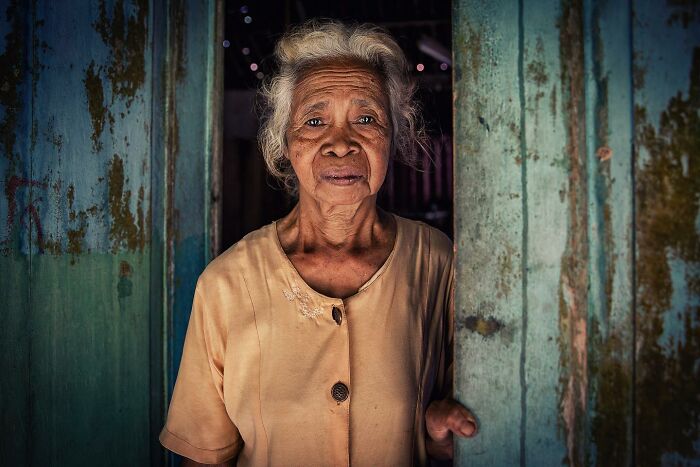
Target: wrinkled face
column 339, row 134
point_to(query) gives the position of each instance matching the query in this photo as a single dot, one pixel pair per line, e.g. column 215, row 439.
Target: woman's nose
column 340, row 142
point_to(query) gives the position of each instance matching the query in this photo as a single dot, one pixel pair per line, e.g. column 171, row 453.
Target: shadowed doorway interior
column 252, row 198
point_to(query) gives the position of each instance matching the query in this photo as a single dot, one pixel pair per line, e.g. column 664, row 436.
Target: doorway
column 250, row 197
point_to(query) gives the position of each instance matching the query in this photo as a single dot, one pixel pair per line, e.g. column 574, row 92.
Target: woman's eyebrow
column 364, row 103
column 315, row 107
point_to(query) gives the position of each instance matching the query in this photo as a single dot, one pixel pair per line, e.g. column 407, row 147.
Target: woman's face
column 339, row 135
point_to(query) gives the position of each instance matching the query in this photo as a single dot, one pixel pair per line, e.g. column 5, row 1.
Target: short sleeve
column 444, row 380
column 197, row 425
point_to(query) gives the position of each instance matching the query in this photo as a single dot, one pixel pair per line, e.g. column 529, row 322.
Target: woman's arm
column 190, row 463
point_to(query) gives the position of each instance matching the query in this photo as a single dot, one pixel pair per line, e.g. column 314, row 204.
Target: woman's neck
column 313, row 226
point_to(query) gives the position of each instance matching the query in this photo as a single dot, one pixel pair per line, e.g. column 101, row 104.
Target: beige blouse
column 271, row 373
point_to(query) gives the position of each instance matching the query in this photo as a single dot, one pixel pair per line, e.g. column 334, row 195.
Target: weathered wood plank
column 488, row 229
column 546, row 204
column 610, row 231
column 90, row 151
column 667, row 178
column 106, row 150
column 16, row 231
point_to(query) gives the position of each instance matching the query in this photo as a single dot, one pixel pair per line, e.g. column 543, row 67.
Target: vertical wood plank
column 489, row 316
column 91, row 107
column 15, row 232
column 611, row 251
column 90, row 148
column 546, row 166
column 667, row 178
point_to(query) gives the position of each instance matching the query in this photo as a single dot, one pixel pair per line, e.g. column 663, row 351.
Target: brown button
column 337, row 315
column 340, row 392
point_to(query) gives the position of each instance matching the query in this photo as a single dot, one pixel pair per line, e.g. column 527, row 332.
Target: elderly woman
column 325, row 337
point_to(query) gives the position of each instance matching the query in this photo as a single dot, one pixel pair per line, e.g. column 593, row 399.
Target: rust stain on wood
column 573, row 299
column 96, row 104
column 126, row 230
column 668, row 198
column 485, row 326
column 11, row 77
column 126, row 39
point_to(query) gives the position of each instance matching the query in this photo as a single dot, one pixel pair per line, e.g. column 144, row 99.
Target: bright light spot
column 244, row 9
column 226, row 44
column 443, row 66
column 259, row 75
column 245, row 50
column 420, row 67
column 253, row 67
column 248, row 20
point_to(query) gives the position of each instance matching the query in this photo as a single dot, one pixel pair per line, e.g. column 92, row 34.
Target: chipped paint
column 573, row 299
column 96, row 104
column 604, row 153
column 12, row 73
column 126, row 230
column 668, row 190
column 125, row 35
column 485, row 326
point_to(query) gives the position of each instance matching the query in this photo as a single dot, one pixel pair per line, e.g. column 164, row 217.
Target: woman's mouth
column 341, row 177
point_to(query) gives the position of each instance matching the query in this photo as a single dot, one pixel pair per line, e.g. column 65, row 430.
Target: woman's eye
column 365, row 119
column 314, row 122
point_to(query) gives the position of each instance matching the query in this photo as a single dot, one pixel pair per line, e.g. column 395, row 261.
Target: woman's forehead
column 323, row 84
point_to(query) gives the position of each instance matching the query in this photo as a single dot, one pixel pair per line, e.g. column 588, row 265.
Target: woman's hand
column 442, row 418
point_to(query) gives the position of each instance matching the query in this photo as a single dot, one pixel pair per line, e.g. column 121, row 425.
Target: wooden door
column 577, row 191
column 109, row 113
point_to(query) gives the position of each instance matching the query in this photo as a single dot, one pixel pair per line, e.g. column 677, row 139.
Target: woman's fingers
column 448, row 415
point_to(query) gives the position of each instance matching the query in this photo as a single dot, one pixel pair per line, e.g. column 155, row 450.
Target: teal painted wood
column 489, row 228
column 547, row 201
column 667, row 175
column 605, row 231
column 106, row 143
column 15, row 117
column 609, row 154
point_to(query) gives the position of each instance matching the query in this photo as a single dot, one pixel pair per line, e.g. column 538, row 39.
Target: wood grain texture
column 606, row 303
column 489, row 228
column 105, row 148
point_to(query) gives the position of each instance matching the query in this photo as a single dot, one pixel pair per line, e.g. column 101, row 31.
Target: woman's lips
column 341, row 176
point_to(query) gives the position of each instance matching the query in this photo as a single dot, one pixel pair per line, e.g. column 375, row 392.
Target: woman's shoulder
column 244, row 255
column 419, row 233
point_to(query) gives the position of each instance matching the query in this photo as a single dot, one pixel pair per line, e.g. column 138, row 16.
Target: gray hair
column 316, row 42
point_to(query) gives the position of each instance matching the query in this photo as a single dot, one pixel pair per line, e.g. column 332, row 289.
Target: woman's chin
column 341, row 194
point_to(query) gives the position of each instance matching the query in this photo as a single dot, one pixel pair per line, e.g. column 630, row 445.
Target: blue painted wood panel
column 576, row 213
column 108, row 113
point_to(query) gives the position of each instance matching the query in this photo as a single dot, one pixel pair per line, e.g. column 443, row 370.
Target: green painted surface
column 92, row 207
column 576, row 149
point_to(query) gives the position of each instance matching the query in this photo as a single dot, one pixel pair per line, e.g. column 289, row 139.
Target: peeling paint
column 683, row 12
column 573, row 300
column 12, row 73
column 126, row 39
column 486, row 327
column 668, row 199
column 125, row 230
column 604, row 153
column 96, row 105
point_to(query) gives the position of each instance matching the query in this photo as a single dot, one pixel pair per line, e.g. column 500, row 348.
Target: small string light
column 443, row 66
column 253, row 67
column 420, row 67
column 245, row 51
column 244, row 9
column 226, row 44
column 248, row 20
column 259, row 75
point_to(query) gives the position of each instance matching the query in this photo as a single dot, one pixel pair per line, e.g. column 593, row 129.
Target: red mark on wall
column 31, row 213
